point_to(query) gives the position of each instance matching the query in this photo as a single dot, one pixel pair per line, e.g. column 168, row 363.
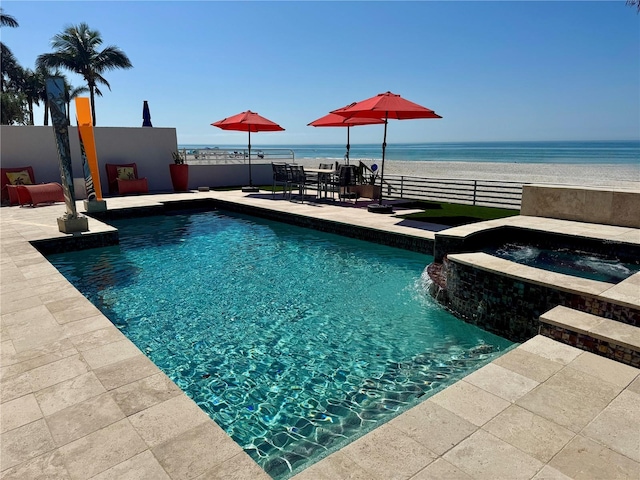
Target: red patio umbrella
column 248, row 122
column 335, row 120
column 385, row 106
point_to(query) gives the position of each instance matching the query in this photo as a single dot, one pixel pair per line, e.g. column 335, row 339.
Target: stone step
column 598, row 335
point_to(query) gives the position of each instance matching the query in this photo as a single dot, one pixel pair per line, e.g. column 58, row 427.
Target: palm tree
column 76, row 50
column 32, row 86
column 7, row 20
column 7, row 61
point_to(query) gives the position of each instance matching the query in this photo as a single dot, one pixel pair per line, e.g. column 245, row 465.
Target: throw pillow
column 19, row 178
column 126, row 173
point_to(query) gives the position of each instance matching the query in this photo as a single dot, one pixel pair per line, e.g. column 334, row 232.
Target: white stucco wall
column 150, row 148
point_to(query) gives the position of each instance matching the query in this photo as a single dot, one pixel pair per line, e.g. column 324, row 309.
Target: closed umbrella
column 335, row 120
column 248, row 122
column 146, row 115
column 386, row 106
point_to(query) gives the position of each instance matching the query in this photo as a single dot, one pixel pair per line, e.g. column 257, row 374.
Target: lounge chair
column 19, row 188
column 123, row 179
column 35, row 195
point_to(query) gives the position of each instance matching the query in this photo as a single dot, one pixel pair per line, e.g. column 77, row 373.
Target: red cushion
column 41, row 193
column 126, row 187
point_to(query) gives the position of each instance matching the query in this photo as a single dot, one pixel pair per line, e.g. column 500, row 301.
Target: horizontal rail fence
column 216, row 156
column 488, row 193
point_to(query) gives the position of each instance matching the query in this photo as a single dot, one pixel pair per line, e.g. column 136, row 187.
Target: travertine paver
column 67, row 393
column 531, row 433
column 486, row 457
column 165, row 420
column 441, row 470
column 528, row 364
column 141, row 394
column 605, row 369
column 102, row 449
column 196, row 451
column 387, row 453
column 18, row 412
column 585, row 459
column 83, row 418
column 550, row 473
column 551, row 350
column 474, row 404
column 434, row 426
column 143, row 466
column 80, row 401
column 501, row 381
column 617, row 426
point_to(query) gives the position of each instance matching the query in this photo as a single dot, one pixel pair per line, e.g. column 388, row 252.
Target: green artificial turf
column 453, row 214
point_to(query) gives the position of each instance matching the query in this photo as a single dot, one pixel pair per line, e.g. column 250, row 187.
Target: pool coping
column 60, row 359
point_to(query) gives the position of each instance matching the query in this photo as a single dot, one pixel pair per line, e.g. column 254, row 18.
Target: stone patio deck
column 80, row 401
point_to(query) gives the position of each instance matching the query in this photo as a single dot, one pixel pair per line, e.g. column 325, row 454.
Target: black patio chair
column 281, row 177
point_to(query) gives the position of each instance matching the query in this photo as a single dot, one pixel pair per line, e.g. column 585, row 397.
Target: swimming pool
column 294, row 341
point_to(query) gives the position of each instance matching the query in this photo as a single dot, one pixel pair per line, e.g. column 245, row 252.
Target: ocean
column 560, row 152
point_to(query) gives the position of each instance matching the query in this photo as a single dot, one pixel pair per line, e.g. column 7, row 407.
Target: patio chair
column 123, row 179
column 280, row 177
column 344, row 181
column 326, row 179
column 298, row 179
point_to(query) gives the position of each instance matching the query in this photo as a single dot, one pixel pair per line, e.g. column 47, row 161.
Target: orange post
column 88, row 145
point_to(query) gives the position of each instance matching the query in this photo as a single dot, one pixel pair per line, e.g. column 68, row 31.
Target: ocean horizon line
column 575, row 152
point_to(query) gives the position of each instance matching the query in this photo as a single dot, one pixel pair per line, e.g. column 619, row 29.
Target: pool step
column 598, row 335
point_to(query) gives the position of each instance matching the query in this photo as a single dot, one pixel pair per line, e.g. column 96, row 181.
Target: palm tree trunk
column 93, row 105
column 46, row 113
column 30, row 112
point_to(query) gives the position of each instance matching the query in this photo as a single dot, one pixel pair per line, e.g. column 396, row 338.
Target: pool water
column 294, row 341
column 570, row 262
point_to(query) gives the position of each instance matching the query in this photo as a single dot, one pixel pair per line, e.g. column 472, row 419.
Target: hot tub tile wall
column 511, row 307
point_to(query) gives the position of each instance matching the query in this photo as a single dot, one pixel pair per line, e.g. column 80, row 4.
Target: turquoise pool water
column 294, row 341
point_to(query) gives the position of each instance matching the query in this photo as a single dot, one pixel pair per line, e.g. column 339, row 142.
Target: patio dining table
column 321, row 173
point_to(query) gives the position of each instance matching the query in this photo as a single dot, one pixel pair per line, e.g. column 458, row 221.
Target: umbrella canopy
column 335, row 120
column 146, row 115
column 248, row 122
column 385, row 106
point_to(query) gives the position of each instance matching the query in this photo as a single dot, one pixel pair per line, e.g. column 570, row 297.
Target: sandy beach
column 618, row 176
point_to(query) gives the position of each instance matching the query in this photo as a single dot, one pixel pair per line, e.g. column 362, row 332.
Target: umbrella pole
column 384, row 147
column 379, row 207
column 250, row 179
column 348, row 145
column 250, row 188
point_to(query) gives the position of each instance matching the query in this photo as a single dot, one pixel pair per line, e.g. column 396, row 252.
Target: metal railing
column 488, row 193
column 216, row 156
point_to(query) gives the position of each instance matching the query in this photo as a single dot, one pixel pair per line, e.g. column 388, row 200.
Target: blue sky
column 493, row 70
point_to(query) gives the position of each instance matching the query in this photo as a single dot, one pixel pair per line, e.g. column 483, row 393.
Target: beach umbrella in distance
column 335, row 120
column 385, row 106
column 146, row 115
column 248, row 122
